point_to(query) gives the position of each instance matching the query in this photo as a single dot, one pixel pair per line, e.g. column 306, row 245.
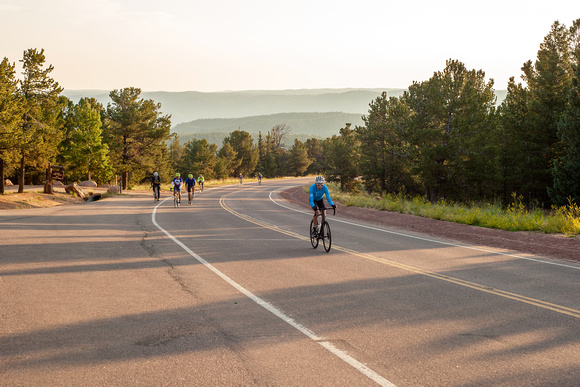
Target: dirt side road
column 549, row 245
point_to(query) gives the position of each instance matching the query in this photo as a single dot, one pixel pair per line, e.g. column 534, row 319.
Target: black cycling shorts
column 319, row 204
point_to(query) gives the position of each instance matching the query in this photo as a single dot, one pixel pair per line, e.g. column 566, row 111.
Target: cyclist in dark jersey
column 190, row 183
column 156, row 185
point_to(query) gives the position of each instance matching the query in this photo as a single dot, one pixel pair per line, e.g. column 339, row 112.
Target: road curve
column 228, row 291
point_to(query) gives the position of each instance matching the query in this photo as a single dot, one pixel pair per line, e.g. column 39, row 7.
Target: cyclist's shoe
column 314, row 233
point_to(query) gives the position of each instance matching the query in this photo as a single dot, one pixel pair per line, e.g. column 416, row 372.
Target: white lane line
column 278, row 313
column 425, row 239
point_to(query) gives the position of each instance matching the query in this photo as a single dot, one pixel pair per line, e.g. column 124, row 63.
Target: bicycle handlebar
column 326, row 208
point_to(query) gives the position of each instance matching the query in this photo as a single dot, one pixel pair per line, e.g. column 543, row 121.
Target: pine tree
column 449, row 127
column 10, row 115
column 84, row 154
column 298, row 160
column 40, row 129
column 566, row 170
column 199, row 158
column 135, row 130
column 343, row 158
column 246, row 152
column 548, row 81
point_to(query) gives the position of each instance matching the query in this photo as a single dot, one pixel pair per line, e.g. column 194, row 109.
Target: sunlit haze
column 178, row 45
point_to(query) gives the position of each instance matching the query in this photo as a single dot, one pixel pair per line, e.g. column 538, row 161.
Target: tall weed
column 516, row 217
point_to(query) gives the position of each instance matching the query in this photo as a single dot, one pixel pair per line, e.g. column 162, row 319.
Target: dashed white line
column 278, row 313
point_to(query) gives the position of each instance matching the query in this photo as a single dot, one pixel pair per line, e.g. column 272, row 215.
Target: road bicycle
column 323, row 233
column 190, row 196
column 156, row 193
column 176, row 200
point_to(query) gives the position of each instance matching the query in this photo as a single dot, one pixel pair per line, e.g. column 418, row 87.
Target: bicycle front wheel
column 326, row 236
column 313, row 239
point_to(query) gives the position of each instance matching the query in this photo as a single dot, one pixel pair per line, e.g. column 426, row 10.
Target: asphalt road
column 229, row 291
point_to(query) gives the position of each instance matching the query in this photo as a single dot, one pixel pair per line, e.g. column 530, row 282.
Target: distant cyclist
column 317, row 192
column 259, row 178
column 241, row 179
column 156, row 185
column 190, row 183
column 200, row 181
column 176, row 185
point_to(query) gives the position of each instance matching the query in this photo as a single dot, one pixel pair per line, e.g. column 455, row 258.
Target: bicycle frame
column 324, row 233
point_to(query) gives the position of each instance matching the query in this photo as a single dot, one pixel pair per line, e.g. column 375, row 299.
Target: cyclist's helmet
column 319, row 180
column 177, row 174
column 155, row 174
column 190, row 176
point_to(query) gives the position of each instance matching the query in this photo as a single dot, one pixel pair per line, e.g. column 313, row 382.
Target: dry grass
column 18, row 201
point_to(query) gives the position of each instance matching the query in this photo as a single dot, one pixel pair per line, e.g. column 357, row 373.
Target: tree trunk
column 2, row 180
column 48, row 184
column 21, row 180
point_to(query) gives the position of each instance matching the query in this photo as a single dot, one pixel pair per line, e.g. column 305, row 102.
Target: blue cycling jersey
column 190, row 182
column 317, row 194
column 176, row 183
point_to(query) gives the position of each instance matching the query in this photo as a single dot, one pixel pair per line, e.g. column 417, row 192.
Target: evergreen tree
column 316, row 155
column 10, row 114
column 450, row 126
column 40, row 129
column 548, row 81
column 270, row 166
column 176, row 153
column 135, row 131
column 566, row 170
column 246, row 152
column 511, row 141
column 199, row 157
column 262, row 152
column 298, row 158
column 84, row 154
column 343, row 158
column 385, row 163
column 228, row 161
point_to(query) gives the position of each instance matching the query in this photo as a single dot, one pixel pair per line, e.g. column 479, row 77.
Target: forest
column 443, row 138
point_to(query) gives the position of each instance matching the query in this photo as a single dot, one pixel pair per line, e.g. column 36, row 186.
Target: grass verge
column 516, row 217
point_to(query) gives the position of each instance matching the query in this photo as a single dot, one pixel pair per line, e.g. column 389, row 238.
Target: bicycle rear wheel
column 313, row 239
column 326, row 236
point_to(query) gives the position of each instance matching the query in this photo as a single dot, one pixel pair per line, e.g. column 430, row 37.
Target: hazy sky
column 215, row 45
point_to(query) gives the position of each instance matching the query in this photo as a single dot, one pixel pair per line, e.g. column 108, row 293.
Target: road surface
column 229, row 291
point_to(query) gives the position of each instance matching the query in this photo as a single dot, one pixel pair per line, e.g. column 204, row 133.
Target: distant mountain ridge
column 192, row 105
column 213, row 115
column 311, row 124
column 188, row 106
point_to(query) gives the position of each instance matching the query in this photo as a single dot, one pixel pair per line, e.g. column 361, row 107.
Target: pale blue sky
column 216, row 45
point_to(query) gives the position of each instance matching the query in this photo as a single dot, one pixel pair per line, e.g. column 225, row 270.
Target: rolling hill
column 309, row 112
column 192, row 105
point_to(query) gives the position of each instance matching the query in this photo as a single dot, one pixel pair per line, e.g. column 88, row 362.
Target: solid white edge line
column 426, row 239
column 277, row 312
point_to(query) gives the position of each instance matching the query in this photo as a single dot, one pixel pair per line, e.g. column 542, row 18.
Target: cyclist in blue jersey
column 317, row 192
column 176, row 184
column 190, row 183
